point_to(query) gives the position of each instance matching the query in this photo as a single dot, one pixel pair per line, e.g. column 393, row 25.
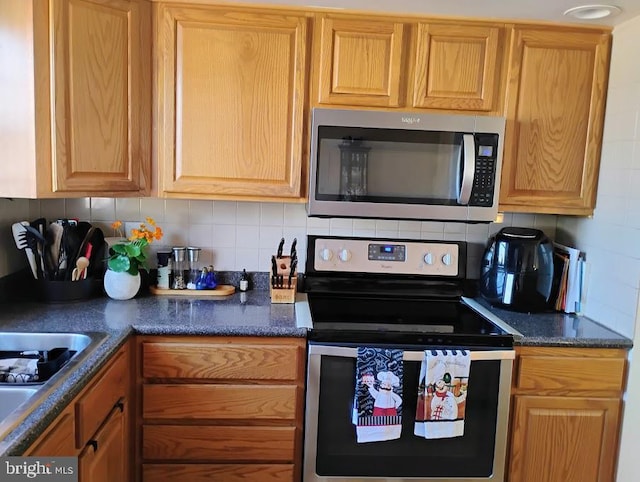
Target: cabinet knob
column 94, row 444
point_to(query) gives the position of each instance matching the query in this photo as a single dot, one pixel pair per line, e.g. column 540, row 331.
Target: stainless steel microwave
column 392, row 165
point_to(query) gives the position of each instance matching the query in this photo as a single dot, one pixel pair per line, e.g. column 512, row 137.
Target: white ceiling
column 546, row 10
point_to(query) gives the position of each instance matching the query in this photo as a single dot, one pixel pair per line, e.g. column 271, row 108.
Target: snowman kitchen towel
column 377, row 405
column 442, row 393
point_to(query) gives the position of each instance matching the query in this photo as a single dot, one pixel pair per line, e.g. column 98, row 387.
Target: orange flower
column 120, row 259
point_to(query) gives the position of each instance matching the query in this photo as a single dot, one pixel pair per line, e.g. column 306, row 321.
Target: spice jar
column 177, row 272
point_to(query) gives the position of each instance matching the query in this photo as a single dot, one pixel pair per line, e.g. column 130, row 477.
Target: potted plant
column 127, row 258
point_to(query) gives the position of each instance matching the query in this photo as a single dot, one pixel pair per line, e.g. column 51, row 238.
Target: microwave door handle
column 468, row 168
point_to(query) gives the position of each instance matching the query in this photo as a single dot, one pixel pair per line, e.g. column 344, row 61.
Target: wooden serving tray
column 220, row 290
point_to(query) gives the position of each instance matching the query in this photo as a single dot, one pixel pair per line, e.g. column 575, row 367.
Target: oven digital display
column 387, row 252
column 485, row 151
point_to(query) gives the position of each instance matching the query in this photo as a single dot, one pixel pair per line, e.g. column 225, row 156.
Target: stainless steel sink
column 12, row 397
column 17, row 402
column 43, row 341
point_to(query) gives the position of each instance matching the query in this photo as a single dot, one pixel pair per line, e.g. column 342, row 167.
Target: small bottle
column 244, row 281
column 211, row 278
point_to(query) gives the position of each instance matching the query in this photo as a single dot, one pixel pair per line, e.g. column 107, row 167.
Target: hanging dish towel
column 377, row 405
column 442, row 394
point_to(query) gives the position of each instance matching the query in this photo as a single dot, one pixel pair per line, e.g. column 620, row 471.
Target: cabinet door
column 101, row 95
column 105, row 457
column 57, row 441
column 557, row 89
column 566, row 439
column 232, row 90
column 457, row 67
column 360, row 61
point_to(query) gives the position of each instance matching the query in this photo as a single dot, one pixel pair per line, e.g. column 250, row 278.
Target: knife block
column 284, row 293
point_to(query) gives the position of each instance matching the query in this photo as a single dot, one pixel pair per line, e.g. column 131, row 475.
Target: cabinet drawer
column 93, row 407
column 220, row 361
column 212, row 472
column 570, row 373
column 219, row 444
column 219, row 402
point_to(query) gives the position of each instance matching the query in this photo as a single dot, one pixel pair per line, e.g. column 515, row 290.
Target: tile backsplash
column 243, row 235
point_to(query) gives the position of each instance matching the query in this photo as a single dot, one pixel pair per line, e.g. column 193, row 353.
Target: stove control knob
column 326, row 254
column 446, row 259
column 344, row 255
column 428, row 258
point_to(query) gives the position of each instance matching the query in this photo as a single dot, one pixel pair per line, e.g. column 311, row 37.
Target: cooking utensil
column 40, row 225
column 71, row 242
column 52, row 254
column 80, row 271
column 280, row 247
column 274, row 272
column 292, row 270
column 82, row 249
column 20, row 237
column 293, row 251
column 35, row 241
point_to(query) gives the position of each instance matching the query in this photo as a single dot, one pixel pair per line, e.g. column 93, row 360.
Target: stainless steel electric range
column 408, row 295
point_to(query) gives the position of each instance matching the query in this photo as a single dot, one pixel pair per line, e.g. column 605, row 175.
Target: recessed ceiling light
column 592, row 12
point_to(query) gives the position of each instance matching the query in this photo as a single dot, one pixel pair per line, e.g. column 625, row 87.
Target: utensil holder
column 279, row 288
column 65, row 291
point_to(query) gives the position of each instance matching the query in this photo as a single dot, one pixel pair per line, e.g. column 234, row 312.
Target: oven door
column 331, row 453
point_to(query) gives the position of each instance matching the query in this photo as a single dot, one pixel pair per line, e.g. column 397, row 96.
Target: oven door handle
column 347, row 352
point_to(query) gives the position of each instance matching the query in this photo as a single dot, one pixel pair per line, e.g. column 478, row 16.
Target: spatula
column 52, row 254
column 20, row 237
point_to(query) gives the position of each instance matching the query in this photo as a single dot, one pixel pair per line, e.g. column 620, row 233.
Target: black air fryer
column 517, row 270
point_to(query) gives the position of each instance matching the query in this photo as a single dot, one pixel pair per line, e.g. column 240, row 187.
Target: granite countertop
column 555, row 329
column 241, row 314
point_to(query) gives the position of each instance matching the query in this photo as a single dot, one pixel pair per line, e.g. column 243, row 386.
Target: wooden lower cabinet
column 103, row 458
column 565, row 418
column 96, row 426
column 220, row 408
column 218, row 472
column 58, row 439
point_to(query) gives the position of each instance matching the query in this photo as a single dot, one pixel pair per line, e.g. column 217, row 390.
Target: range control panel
column 394, row 257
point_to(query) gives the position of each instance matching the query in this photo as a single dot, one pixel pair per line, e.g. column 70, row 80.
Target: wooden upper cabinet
column 76, row 102
column 231, row 94
column 458, row 67
column 360, row 62
column 555, row 114
column 101, row 89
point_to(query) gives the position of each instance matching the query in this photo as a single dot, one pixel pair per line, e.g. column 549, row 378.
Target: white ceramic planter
column 121, row 286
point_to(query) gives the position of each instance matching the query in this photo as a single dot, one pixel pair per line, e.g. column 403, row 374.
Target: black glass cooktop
column 401, row 320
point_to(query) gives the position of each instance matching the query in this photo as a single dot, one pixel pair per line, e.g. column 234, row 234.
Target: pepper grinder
column 179, row 254
column 194, row 268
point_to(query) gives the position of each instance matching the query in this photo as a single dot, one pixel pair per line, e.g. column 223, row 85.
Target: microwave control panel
column 362, row 255
column 485, row 170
